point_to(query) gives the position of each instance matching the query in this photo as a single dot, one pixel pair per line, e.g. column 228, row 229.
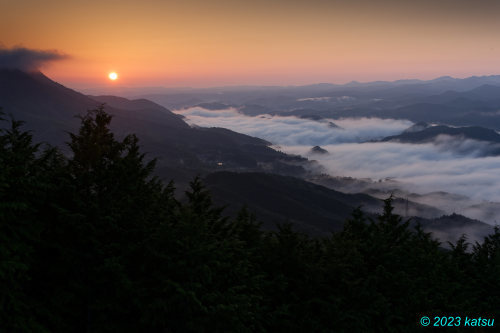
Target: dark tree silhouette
column 93, row 242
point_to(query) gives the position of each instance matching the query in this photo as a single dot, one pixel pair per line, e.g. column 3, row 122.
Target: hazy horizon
column 45, row 59
column 259, row 85
column 194, row 43
column 133, row 91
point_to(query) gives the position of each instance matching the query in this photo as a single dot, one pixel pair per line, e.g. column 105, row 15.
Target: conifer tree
column 93, row 242
column 25, row 185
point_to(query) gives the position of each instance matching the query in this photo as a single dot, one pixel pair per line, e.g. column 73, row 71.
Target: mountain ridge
column 49, row 110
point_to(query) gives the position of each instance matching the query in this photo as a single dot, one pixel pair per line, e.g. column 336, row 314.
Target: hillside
column 429, row 134
column 449, row 228
column 49, row 110
column 276, row 199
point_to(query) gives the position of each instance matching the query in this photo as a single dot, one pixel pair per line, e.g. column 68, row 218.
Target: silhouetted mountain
column 213, row 106
column 416, row 127
column 485, row 92
column 318, row 150
column 449, row 228
column 275, row 199
column 318, row 210
column 145, row 109
column 311, row 116
column 478, row 106
column 49, row 109
column 254, row 110
column 430, row 133
column 381, row 190
column 472, row 101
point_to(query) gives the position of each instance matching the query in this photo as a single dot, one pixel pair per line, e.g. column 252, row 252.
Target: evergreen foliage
column 94, row 242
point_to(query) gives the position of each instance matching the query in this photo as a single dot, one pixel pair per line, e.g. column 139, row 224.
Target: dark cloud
column 27, row 59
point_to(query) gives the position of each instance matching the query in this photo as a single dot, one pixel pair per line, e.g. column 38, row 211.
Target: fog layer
column 449, row 164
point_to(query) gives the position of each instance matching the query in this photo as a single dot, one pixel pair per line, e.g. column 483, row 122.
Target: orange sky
column 206, row 43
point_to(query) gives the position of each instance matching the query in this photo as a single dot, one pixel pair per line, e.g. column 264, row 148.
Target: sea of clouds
column 449, row 164
column 293, row 131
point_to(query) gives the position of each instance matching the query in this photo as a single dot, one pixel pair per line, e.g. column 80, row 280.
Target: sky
column 274, row 42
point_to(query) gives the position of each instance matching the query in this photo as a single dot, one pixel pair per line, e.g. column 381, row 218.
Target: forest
column 93, row 241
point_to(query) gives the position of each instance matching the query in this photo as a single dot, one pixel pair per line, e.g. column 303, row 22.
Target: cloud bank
column 27, row 59
column 450, row 164
column 281, row 130
column 420, row 168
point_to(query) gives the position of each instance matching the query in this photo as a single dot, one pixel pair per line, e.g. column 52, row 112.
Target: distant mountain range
column 473, row 101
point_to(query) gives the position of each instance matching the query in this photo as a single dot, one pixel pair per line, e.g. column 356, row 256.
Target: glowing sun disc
column 113, row 76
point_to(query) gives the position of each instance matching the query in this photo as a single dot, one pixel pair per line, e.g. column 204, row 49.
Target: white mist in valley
column 448, row 164
column 292, row 130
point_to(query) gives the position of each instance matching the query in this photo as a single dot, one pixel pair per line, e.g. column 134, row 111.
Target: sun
column 113, row 76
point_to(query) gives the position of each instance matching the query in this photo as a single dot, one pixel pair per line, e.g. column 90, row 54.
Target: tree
column 25, row 190
column 93, row 242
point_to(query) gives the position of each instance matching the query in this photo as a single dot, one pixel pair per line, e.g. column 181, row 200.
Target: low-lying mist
column 292, row 130
column 449, row 164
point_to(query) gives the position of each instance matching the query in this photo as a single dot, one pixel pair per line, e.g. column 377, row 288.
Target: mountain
column 417, row 127
column 144, row 109
column 429, row 134
column 449, row 228
column 472, row 101
column 318, row 210
column 318, row 150
column 254, row 110
column 311, row 208
column 485, row 92
column 47, row 107
column 213, row 106
column 49, row 110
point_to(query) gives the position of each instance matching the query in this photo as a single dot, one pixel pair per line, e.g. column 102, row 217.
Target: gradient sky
column 206, row 43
